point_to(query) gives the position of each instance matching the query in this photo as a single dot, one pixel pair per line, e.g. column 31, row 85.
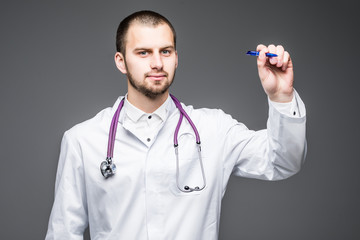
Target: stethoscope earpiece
column 107, row 168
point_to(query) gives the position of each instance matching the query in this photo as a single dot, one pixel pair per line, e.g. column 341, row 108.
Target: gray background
column 57, row 70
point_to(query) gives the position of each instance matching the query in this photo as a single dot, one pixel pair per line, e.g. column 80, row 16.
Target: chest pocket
column 189, row 167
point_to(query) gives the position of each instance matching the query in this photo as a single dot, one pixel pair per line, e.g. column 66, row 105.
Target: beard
column 148, row 91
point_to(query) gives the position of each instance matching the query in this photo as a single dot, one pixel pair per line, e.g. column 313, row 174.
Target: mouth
column 156, row 76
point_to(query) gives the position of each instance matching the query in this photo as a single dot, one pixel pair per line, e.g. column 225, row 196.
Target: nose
column 156, row 62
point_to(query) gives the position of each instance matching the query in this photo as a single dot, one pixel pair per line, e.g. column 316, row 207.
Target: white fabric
column 289, row 109
column 144, row 125
column 141, row 201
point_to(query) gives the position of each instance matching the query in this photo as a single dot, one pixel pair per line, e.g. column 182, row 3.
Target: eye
column 143, row 53
column 166, row 52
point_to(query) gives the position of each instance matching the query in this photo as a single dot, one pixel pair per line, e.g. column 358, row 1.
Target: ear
column 120, row 62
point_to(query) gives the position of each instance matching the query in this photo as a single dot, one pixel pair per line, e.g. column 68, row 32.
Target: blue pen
column 256, row 53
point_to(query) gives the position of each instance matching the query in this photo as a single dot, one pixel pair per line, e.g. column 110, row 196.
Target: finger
column 280, row 57
column 272, row 49
column 261, row 59
column 286, row 61
column 260, row 47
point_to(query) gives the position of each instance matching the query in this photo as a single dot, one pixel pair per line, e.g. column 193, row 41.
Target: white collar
column 135, row 113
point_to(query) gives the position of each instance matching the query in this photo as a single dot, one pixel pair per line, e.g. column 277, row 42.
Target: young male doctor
column 159, row 192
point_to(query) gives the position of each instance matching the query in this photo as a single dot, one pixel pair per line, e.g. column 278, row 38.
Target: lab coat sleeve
column 68, row 218
column 274, row 153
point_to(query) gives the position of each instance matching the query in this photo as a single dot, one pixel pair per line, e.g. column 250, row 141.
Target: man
column 158, row 192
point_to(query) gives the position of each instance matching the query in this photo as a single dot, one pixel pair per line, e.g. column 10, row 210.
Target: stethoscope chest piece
column 108, row 168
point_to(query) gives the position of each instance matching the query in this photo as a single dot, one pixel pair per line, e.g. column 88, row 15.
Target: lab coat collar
column 135, row 113
column 164, row 111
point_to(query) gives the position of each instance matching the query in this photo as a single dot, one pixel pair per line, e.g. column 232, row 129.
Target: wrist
column 282, row 97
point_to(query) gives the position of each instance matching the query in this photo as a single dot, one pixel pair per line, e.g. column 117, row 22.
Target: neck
column 144, row 103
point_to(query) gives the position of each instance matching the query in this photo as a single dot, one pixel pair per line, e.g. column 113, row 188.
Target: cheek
column 171, row 64
column 137, row 68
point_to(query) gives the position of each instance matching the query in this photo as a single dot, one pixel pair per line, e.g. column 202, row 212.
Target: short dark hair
column 145, row 17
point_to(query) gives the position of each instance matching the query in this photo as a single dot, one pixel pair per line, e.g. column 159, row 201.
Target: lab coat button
column 148, row 139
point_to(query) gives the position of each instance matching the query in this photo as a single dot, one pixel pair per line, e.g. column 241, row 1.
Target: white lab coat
column 141, row 201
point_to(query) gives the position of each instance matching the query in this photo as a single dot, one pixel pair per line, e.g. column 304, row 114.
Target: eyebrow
column 149, row 49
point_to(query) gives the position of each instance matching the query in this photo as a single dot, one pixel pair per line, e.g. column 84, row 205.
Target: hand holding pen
column 275, row 72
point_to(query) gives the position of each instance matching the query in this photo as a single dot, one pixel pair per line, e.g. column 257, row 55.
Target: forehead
column 149, row 36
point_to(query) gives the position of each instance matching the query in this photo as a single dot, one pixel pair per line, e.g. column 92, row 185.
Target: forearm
column 274, row 153
column 287, row 138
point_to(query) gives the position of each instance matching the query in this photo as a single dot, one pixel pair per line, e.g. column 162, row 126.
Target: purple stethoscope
column 108, row 168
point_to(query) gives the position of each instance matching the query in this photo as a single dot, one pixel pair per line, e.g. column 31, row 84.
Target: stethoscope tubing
column 108, row 168
column 183, row 113
column 113, row 128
